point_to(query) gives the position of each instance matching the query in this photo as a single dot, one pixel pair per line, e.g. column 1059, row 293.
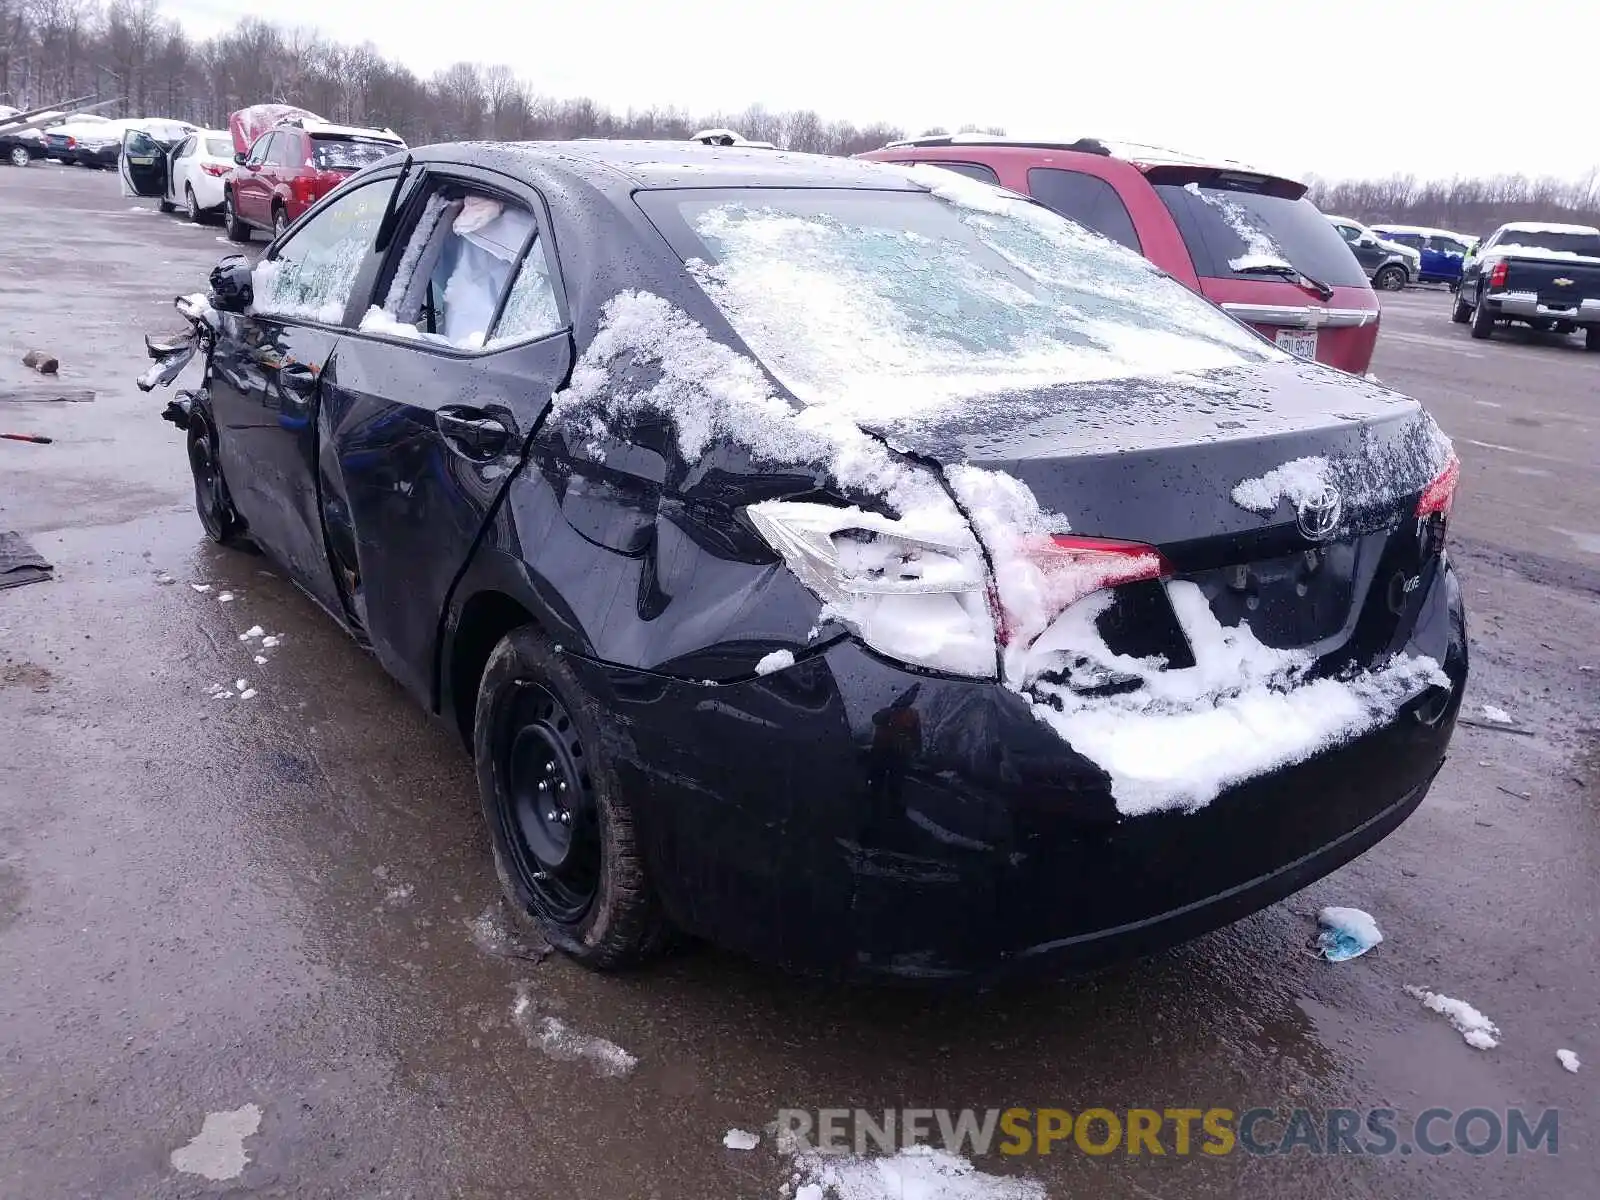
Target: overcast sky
column 1355, row 88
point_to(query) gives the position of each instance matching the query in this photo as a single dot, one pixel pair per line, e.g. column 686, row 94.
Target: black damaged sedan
column 860, row 567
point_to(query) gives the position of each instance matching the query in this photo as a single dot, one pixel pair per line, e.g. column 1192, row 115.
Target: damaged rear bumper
column 852, row 817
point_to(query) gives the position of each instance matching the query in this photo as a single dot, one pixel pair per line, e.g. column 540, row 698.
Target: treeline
column 59, row 49
column 129, row 51
column 1475, row 206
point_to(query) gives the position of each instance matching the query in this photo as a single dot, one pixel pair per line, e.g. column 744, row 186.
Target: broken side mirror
column 232, row 289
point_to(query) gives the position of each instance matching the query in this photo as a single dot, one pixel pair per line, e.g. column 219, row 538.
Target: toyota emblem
column 1318, row 515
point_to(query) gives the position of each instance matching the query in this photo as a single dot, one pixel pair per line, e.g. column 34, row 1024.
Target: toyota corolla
column 854, row 565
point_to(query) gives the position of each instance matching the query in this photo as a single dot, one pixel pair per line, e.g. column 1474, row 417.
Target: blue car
column 1442, row 250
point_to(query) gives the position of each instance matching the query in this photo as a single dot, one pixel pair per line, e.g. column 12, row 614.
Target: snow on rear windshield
column 343, row 154
column 1516, row 241
column 891, row 303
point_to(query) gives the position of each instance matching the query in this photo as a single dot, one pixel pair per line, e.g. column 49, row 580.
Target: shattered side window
column 531, row 309
column 454, row 271
column 314, row 271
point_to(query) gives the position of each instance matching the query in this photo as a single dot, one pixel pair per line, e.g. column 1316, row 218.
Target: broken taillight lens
column 1439, row 495
column 1070, row 567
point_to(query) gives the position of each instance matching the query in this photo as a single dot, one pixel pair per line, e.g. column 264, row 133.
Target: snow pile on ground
column 1186, row 734
column 1346, row 933
column 741, row 1139
column 778, row 660
column 217, row 1152
column 1496, row 714
column 1259, row 248
column 559, row 1041
column 1297, row 481
column 1475, row 1029
column 915, row 1173
column 1569, row 1060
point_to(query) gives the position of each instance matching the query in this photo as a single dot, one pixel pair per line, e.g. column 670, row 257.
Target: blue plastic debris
column 1346, row 933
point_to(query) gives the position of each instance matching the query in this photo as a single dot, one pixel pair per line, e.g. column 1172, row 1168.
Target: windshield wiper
column 1284, row 270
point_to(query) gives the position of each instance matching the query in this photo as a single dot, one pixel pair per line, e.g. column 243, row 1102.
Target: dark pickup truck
column 1547, row 276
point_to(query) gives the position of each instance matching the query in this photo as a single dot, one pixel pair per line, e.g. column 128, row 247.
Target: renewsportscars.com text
column 1173, row 1131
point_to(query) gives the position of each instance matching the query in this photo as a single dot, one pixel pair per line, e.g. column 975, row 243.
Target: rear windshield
column 1227, row 229
column 1586, row 244
column 219, row 147
column 898, row 300
column 347, row 153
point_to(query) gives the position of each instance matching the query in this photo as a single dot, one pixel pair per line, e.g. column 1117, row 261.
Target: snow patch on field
column 559, row 1041
column 1475, row 1029
column 217, row 1152
column 915, row 1173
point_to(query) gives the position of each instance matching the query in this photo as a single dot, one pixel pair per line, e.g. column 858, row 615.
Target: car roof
column 650, row 165
column 328, row 127
column 1420, row 230
column 1139, row 153
column 1546, row 227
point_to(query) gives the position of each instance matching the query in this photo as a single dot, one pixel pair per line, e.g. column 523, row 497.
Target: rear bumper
column 1526, row 305
column 849, row 816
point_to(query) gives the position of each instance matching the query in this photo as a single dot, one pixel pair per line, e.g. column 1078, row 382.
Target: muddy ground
column 288, row 902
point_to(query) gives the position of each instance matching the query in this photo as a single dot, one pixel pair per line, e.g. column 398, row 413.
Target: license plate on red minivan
column 1300, row 342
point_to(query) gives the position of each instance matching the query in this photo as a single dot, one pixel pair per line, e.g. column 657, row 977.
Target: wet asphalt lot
column 206, row 904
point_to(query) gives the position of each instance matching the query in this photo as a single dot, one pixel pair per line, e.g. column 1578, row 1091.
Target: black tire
column 572, row 872
column 1461, row 311
column 280, row 221
column 237, row 230
column 167, row 207
column 211, row 497
column 1591, row 338
column 1391, row 278
column 195, row 215
column 1482, row 319
column 18, row 156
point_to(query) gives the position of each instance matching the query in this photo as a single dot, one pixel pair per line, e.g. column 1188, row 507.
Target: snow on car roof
column 1422, row 231
column 1546, row 227
column 327, row 127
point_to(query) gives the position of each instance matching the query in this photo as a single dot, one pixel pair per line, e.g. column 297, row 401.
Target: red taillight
column 1072, row 567
column 1439, row 495
column 72, row 143
column 1497, row 274
column 215, row 170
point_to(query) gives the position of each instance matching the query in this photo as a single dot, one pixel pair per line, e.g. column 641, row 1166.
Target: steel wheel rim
column 207, row 484
column 549, row 816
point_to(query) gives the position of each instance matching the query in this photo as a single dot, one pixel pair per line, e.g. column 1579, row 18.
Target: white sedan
column 184, row 168
column 197, row 167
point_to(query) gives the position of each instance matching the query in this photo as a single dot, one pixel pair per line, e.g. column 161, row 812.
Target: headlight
column 912, row 588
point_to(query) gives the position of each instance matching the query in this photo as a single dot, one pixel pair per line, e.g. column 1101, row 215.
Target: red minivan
column 1248, row 241
column 293, row 165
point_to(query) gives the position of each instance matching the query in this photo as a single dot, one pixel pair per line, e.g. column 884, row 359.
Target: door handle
column 299, row 378
column 472, row 432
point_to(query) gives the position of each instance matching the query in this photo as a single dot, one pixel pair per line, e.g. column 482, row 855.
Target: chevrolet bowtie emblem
column 1562, row 282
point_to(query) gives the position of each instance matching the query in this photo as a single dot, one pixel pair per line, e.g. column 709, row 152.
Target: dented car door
column 269, row 372
column 428, row 413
